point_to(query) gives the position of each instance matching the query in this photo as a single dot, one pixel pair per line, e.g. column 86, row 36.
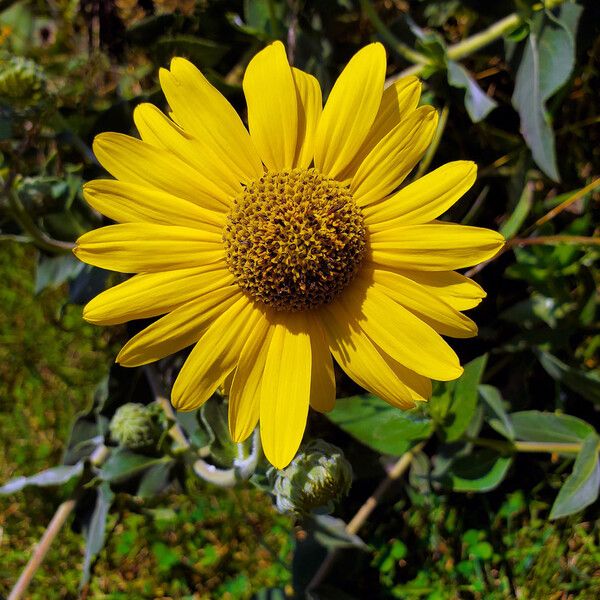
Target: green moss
column 215, row 543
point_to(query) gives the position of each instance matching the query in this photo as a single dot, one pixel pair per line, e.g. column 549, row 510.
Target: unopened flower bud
column 22, row 81
column 135, row 426
column 317, row 478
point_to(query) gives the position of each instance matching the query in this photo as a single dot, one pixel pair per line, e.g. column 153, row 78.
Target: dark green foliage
column 499, row 500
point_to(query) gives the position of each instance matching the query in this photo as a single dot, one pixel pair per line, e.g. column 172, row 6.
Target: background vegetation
column 486, row 493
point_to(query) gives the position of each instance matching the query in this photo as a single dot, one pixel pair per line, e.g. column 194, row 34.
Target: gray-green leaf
column 581, row 487
column 95, row 530
column 478, row 104
column 53, row 476
column 546, row 65
column 537, row 426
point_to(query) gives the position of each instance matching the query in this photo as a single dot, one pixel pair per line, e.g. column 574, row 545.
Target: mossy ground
column 211, row 543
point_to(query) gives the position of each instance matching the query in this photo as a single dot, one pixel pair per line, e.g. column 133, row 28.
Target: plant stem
column 570, row 200
column 39, row 238
column 58, row 520
column 363, row 513
column 395, row 44
column 41, row 549
column 477, row 41
column 556, row 239
column 519, row 446
column 437, row 138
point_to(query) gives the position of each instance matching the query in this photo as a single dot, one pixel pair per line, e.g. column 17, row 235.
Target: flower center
column 294, row 239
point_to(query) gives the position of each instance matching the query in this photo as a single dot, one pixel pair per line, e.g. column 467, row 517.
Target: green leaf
column 213, row 416
column 585, row 384
column 331, row 533
column 495, row 413
column 478, row 104
column 53, row 476
column 546, row 65
column 53, row 272
column 480, row 471
column 155, row 479
column 94, row 530
column 124, row 464
column 457, row 406
column 379, row 425
column 581, row 487
column 512, row 225
column 537, row 426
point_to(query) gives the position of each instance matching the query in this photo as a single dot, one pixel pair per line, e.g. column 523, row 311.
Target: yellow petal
column 460, row 292
column 126, row 202
column 203, row 112
column 272, row 107
column 399, row 333
column 394, row 157
column 147, row 247
column 421, row 302
column 285, row 389
column 215, row 355
column 153, row 127
column 132, row 160
column 244, row 395
column 152, row 294
column 434, row 247
column 350, row 110
column 397, row 102
column 322, row 383
column 425, row 199
column 180, row 328
column 310, row 106
column 156, row 128
column 368, row 365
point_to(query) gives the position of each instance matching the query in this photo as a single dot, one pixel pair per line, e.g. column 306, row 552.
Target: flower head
column 317, row 478
column 135, row 426
column 272, row 248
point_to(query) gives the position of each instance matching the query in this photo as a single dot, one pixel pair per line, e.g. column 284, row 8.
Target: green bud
column 135, row 426
column 22, row 81
column 317, row 478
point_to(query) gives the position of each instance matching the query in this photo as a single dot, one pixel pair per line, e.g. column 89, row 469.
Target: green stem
column 38, row 237
column 395, row 44
column 518, row 446
column 479, row 40
column 437, row 138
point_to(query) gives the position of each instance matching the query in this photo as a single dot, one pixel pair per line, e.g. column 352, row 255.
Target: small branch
column 55, row 525
column 563, row 205
column 554, row 239
column 58, row 520
column 38, row 237
column 477, row 41
column 518, row 446
column 387, row 36
column 363, row 513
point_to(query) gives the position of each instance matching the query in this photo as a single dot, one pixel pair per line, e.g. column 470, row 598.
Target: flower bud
column 22, row 81
column 135, row 426
column 317, row 478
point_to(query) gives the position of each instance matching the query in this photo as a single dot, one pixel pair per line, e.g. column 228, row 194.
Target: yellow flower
column 274, row 249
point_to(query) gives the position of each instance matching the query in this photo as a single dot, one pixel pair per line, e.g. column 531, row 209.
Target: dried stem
column 58, row 520
column 364, row 512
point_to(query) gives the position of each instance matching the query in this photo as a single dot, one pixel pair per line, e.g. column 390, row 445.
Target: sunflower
column 273, row 249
